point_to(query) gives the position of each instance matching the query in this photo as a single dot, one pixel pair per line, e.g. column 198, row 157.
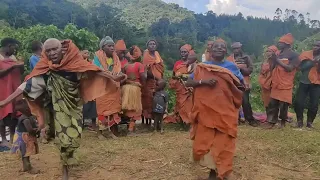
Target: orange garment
column 287, row 38
column 120, row 45
column 187, row 47
column 109, row 104
column 136, row 53
column 184, row 100
column 282, row 83
column 246, row 79
column 90, row 88
column 265, row 82
column 215, row 125
column 314, row 75
column 155, row 65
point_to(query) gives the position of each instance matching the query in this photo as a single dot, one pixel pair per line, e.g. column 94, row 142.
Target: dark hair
column 35, row 46
column 8, row 41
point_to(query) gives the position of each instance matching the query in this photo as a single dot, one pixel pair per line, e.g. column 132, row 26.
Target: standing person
column 26, row 144
column 244, row 63
column 10, row 77
column 62, row 80
column 181, row 72
column 109, row 105
column 89, row 109
column 265, row 74
column 121, row 49
column 155, row 70
column 36, row 47
column 159, row 106
column 309, row 85
column 215, row 125
column 282, row 82
column 207, row 54
column 131, row 90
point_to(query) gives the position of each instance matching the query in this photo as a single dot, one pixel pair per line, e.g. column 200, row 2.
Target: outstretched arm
column 13, row 96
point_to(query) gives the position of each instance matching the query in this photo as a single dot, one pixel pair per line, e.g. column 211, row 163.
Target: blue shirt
column 34, row 59
column 225, row 64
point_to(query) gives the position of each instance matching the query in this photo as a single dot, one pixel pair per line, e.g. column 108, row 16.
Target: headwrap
column 136, row 53
column 287, row 38
column 236, row 45
column 120, row 45
column 220, row 40
column 105, row 41
column 187, row 47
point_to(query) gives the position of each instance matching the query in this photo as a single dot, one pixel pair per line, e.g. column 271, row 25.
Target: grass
column 261, row 155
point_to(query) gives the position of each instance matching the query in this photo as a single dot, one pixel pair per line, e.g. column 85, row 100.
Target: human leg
column 313, row 104
column 301, row 96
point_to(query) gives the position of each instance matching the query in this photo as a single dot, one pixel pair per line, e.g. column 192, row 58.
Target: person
column 109, row 105
column 25, row 144
column 9, row 48
column 121, row 49
column 265, row 74
column 89, row 109
column 309, row 85
column 181, row 70
column 62, row 80
column 244, row 63
column 154, row 66
column 206, row 56
column 159, row 106
column 36, row 47
column 131, row 90
column 215, row 125
column 10, row 76
column 282, row 82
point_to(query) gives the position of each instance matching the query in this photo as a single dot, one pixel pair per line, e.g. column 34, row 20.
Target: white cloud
column 264, row 8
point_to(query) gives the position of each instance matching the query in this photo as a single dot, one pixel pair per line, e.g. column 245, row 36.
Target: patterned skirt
column 24, row 144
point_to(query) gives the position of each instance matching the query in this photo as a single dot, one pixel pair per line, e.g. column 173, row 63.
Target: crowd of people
column 65, row 87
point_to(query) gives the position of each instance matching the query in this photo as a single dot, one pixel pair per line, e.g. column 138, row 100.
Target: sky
column 258, row 8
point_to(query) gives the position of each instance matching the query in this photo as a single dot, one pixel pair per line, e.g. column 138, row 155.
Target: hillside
column 142, row 13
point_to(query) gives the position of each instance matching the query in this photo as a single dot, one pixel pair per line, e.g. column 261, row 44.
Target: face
column 53, row 51
column 12, row 49
column 209, row 46
column 184, row 54
column 269, row 53
column 152, row 46
column 219, row 50
column 316, row 47
column 282, row 45
column 236, row 50
column 85, row 54
column 121, row 54
column 108, row 49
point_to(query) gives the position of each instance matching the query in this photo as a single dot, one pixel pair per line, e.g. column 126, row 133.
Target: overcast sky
column 260, row 8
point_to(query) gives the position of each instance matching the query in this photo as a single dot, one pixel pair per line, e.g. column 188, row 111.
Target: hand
column 210, row 82
column 120, row 77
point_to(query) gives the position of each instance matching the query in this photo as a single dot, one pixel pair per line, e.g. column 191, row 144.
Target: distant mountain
column 141, row 13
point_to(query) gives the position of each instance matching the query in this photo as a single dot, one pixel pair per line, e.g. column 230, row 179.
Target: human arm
column 194, row 83
column 306, row 65
column 117, row 78
column 12, row 97
column 29, row 128
column 142, row 74
column 293, row 62
column 247, row 70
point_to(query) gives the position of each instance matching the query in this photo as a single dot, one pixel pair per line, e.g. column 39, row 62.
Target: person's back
column 36, row 48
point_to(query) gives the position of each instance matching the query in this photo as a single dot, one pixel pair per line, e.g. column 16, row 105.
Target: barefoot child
column 25, row 139
column 160, row 101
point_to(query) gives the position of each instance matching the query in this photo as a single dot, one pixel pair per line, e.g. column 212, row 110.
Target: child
column 25, row 139
column 159, row 106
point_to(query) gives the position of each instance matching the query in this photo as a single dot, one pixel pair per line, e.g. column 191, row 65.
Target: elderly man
column 61, row 80
column 10, row 77
column 215, row 125
column 109, row 105
column 244, row 63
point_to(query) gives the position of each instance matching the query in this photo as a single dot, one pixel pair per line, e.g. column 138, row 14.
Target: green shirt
column 305, row 67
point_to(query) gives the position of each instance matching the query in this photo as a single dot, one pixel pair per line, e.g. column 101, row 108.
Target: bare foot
column 33, row 171
column 162, row 131
column 101, row 137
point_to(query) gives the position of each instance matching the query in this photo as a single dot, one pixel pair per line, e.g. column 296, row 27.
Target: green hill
column 142, row 13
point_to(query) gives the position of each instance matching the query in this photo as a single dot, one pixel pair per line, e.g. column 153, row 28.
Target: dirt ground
column 261, row 155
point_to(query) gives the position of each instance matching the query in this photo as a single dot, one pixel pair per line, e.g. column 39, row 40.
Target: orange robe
column 215, row 125
column 184, row 101
column 109, row 105
column 156, row 66
column 265, row 82
column 90, row 88
column 314, row 75
column 282, row 83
